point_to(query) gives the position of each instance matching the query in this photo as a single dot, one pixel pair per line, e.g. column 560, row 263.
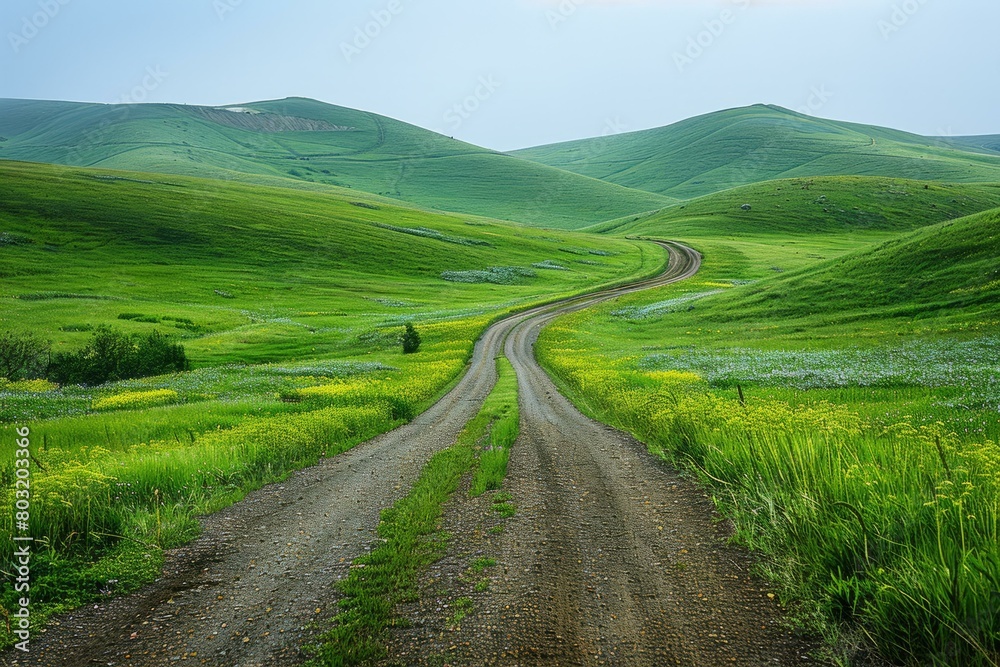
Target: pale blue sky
column 522, row 72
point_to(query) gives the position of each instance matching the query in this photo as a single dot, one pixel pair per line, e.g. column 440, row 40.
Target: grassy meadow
column 290, row 306
column 830, row 375
column 842, row 410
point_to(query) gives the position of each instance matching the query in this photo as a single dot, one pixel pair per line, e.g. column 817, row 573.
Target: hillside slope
column 945, row 270
column 304, row 143
column 986, row 143
column 736, row 147
column 250, row 273
column 806, row 206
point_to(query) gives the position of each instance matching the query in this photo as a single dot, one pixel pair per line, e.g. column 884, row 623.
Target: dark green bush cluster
column 113, row 355
column 23, row 356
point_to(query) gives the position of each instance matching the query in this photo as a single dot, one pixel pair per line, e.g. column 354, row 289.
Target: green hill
column 251, row 273
column 308, row 144
column 946, row 270
column 730, row 148
column 805, row 206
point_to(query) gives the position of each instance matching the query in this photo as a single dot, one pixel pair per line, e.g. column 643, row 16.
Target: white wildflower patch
column 433, row 234
column 973, row 366
column 678, row 304
column 496, row 275
column 551, row 265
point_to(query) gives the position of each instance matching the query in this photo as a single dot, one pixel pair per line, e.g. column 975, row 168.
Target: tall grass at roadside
column 892, row 530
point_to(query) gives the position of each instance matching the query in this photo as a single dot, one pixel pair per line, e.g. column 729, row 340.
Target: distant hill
column 987, row 143
column 737, row 147
column 308, row 144
column 815, row 206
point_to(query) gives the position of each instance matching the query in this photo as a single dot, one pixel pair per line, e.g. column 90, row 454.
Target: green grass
column 345, row 150
column 254, row 275
column 821, row 206
column 864, row 462
column 736, row 147
column 412, row 541
column 503, row 431
column 940, row 279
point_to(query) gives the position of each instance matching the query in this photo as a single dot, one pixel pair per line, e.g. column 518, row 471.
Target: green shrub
column 113, row 355
column 23, row 356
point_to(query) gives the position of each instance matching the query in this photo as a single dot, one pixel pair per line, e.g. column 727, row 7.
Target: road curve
column 246, row 591
column 619, row 561
column 613, row 558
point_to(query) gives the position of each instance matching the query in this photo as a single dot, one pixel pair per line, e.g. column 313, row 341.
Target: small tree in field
column 411, row 339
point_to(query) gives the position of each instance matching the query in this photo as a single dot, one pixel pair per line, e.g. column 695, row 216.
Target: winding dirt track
column 616, row 559
column 601, row 578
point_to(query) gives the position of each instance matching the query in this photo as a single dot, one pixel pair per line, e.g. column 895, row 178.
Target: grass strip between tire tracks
column 410, row 531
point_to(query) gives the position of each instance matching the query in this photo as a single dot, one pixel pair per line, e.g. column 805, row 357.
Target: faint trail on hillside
column 248, row 591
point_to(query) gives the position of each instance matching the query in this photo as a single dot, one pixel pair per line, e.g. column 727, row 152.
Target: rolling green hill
column 805, row 206
column 307, row 144
column 949, row 270
column 730, row 148
column 251, row 273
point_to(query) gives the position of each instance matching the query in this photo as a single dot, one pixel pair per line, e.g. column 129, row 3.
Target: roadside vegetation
column 845, row 417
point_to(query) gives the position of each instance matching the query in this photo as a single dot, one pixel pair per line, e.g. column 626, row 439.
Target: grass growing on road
column 411, row 536
column 495, row 448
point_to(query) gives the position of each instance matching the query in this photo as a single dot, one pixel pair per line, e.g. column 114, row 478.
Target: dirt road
column 608, row 532
column 619, row 560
